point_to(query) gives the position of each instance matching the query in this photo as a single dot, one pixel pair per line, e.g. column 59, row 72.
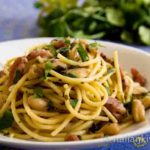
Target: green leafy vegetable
column 144, row 33
column 71, row 75
column 113, row 20
column 7, row 120
column 127, row 37
column 50, row 105
column 67, row 42
column 83, row 54
column 52, row 49
column 64, row 51
column 48, row 67
column 115, row 17
column 38, row 91
column 38, row 4
column 73, row 102
column 94, row 44
column 17, row 76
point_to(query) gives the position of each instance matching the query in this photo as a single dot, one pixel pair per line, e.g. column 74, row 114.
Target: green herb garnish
column 38, row 91
column 50, row 105
column 111, row 70
column 7, row 120
column 67, row 42
column 108, row 90
column 17, row 76
column 48, row 67
column 93, row 45
column 64, row 51
column 71, row 75
column 83, row 54
column 52, row 49
column 73, row 102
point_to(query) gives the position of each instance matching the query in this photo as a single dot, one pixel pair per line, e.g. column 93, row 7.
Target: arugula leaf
column 95, row 19
column 115, row 17
column 38, row 4
column 83, row 54
column 38, row 91
column 7, row 120
column 127, row 37
column 144, row 33
column 73, row 102
column 17, row 76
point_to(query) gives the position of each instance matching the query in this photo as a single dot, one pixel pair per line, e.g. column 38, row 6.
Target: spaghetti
column 68, row 90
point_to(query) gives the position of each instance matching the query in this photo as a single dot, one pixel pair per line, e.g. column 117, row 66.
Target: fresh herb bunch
column 123, row 20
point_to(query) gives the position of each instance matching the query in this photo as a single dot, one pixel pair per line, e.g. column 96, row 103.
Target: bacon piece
column 138, row 77
column 107, row 59
column 19, row 64
column 41, row 53
column 36, row 71
column 116, row 108
column 2, row 73
column 58, row 43
column 72, row 138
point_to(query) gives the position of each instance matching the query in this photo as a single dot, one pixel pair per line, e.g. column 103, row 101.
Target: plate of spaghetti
column 71, row 93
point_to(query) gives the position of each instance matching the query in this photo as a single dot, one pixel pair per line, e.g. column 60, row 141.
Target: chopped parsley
column 73, row 102
column 48, row 67
column 52, row 49
column 64, row 51
column 17, row 76
column 83, row 54
column 71, row 75
column 50, row 106
column 38, row 91
column 7, row 120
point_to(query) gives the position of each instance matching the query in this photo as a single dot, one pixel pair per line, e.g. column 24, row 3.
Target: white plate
column 128, row 57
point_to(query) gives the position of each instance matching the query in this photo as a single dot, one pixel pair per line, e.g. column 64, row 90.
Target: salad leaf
column 115, row 17
column 127, row 37
column 144, row 33
column 38, row 4
column 96, row 19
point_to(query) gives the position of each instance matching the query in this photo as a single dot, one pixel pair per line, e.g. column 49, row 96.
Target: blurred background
column 125, row 21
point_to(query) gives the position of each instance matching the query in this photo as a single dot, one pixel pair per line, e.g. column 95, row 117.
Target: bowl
column 128, row 57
